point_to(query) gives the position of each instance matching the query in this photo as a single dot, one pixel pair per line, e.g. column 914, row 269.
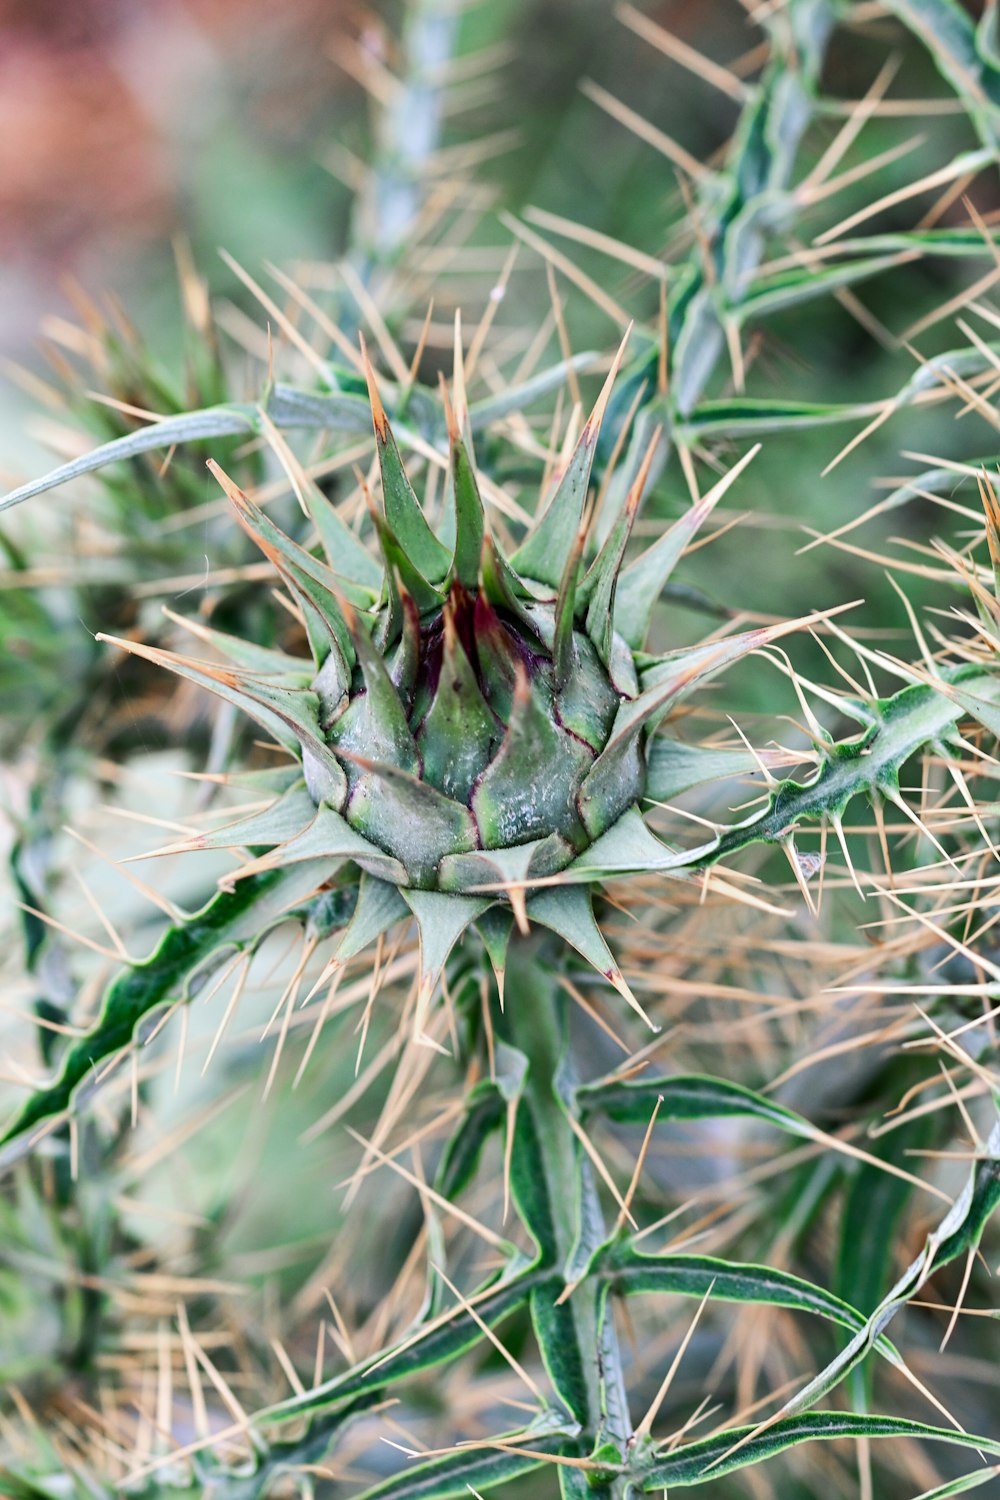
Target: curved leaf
column 710, row 1459
column 234, row 919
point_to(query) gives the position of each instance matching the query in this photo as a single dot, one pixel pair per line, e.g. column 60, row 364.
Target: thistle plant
column 471, row 743
column 475, row 832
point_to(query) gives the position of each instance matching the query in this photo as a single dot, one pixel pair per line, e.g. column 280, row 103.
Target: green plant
column 478, row 748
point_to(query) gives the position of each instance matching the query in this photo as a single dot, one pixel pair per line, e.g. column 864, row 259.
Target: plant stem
column 553, row 1186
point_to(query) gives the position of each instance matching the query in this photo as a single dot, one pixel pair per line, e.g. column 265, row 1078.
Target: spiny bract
column 473, row 729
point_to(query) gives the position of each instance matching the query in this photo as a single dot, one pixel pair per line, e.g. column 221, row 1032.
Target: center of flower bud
column 468, row 737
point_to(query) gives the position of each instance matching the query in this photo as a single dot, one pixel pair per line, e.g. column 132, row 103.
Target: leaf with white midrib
column 706, row 1461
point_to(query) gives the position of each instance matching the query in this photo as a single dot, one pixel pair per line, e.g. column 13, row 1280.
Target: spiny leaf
column 402, row 508
column 329, row 837
column 754, row 417
column 542, row 555
column 643, row 581
column 615, row 778
column 706, row 1461
column 191, row 427
column 628, row 847
column 287, row 407
column 441, row 920
column 486, row 1106
column 959, row 1231
column 283, row 820
column 913, row 717
column 345, row 552
column 771, row 294
column 495, row 927
column 631, row 1273
column 673, row 767
column 957, row 50
column 518, row 398
column 569, row 912
column 428, row 596
column 441, row 1340
column 746, row 416
column 484, row 869
column 262, row 660
column 564, row 653
column 379, row 906
column 685, row 1096
column 182, row 962
column 601, row 583
column 586, row 700
column 289, row 714
column 469, row 518
column 375, row 724
column 961, row 1486
column 322, row 594
column 464, row 1471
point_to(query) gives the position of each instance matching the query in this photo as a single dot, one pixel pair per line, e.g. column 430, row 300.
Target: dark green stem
column 553, row 1185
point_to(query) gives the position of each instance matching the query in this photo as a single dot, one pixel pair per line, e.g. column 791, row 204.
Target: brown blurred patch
column 89, row 90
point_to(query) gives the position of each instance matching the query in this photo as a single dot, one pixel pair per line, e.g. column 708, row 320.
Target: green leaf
column 374, row 726
column 331, row 838
column 706, row 1461
column 287, row 408
column 441, row 920
column 191, row 427
column 569, row 911
column 290, row 714
column 630, row 1273
column 959, row 1231
column 542, row 556
column 628, row 847
column 345, row 552
column 379, row 907
column 556, row 1201
column 600, row 587
column 283, row 820
column 771, row 294
column 327, row 411
column 518, row 398
column 912, row 718
column 292, row 670
column 489, row 869
column 428, row 1345
column 585, row 698
column 320, row 591
column 754, row 417
column 873, row 1205
column 952, row 43
column 673, row 768
column 400, row 571
column 470, row 523
column 495, row 927
column 464, row 1471
column 405, row 518
column 644, row 580
column 181, row 964
column 960, row 1486
column 685, row 1096
column 615, row 780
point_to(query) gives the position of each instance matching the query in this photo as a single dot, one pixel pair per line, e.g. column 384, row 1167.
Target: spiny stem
column 554, row 1187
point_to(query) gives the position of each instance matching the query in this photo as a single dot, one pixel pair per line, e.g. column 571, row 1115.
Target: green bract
column 471, row 724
